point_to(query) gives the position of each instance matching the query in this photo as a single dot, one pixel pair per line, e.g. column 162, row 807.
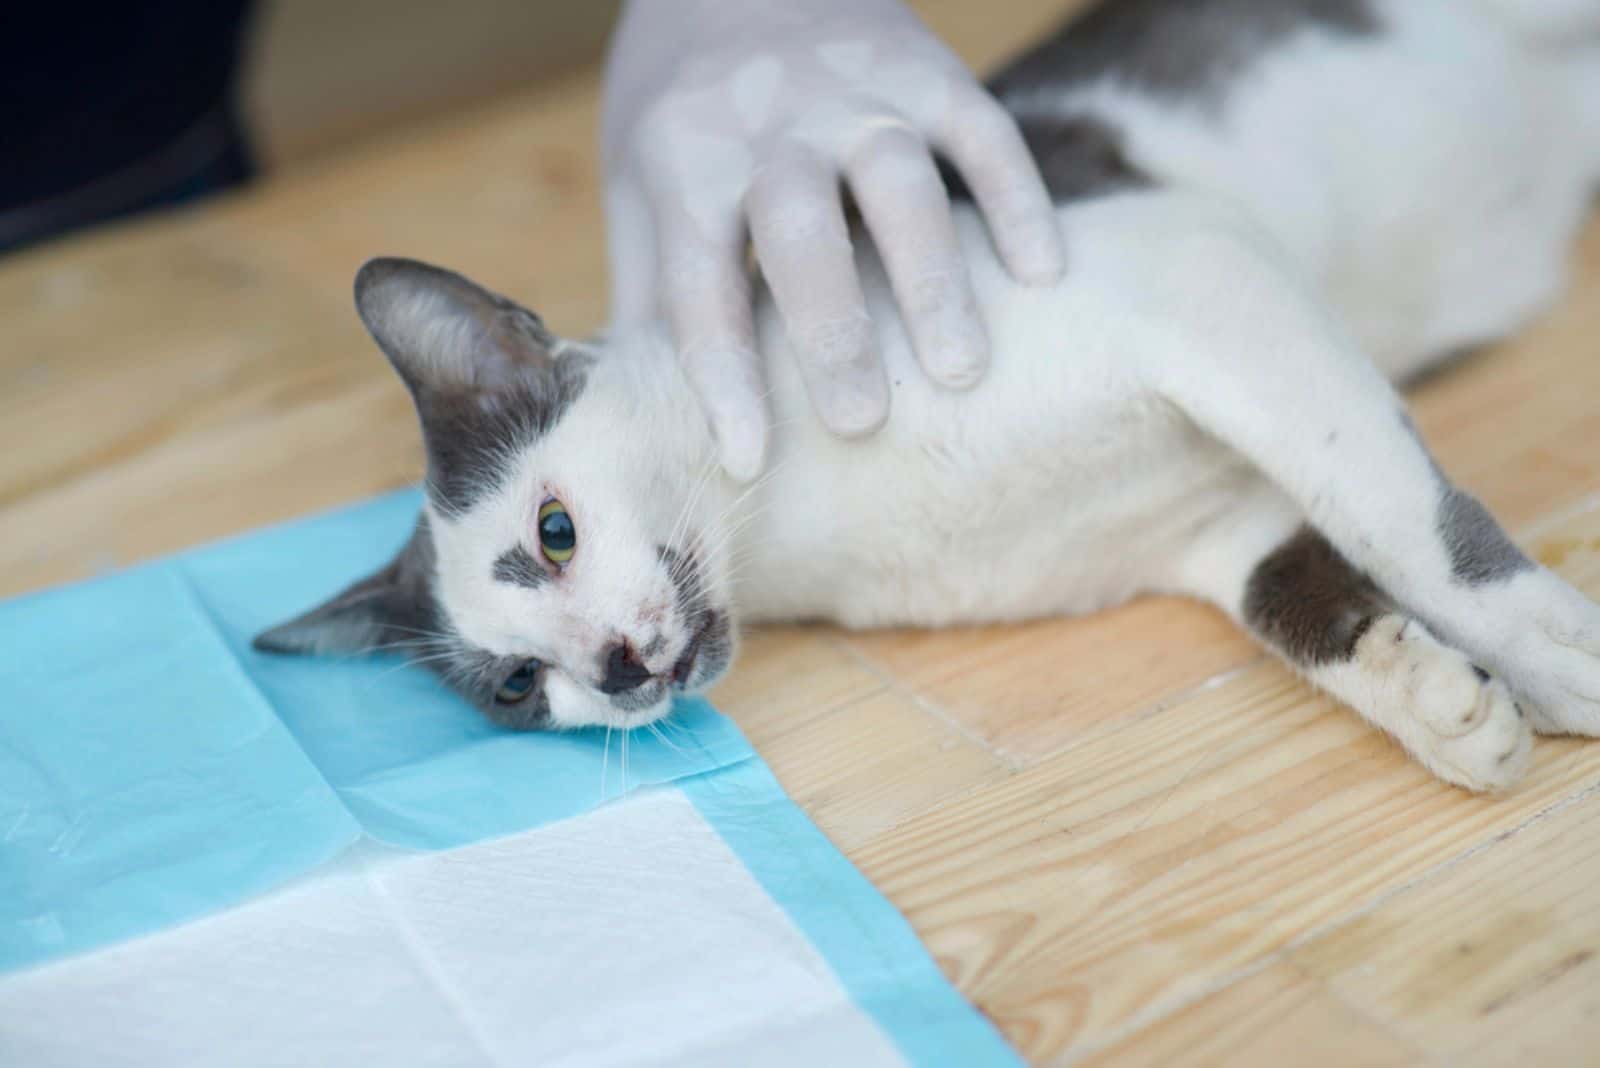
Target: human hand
column 727, row 119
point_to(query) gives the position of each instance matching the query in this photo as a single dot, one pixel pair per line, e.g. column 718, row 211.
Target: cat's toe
column 1553, row 664
column 1542, row 637
column 1560, row 686
column 1475, row 735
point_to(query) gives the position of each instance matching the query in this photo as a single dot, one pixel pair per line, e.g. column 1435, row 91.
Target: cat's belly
column 989, row 524
column 1060, row 484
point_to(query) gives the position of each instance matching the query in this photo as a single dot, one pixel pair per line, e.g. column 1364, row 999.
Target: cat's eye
column 557, row 537
column 518, row 684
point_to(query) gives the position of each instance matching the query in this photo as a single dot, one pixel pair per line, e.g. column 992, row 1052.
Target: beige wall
column 321, row 73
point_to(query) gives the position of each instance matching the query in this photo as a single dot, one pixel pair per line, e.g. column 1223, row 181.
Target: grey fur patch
column 1189, row 49
column 487, row 376
column 1079, row 157
column 392, row 606
column 1309, row 603
column 714, row 628
column 395, row 609
column 478, row 674
column 517, row 566
column 474, row 436
column 687, row 585
column 1480, row 552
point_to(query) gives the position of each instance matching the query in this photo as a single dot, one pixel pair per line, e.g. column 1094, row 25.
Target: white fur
column 1211, row 373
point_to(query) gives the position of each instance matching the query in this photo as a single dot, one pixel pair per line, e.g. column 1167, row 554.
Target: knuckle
column 800, row 219
column 899, row 163
column 835, row 345
column 931, row 291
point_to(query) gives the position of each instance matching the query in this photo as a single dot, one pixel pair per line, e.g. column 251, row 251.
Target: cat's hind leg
column 1257, row 362
column 1287, row 585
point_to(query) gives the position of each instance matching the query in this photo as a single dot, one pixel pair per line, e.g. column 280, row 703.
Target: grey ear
column 393, row 605
column 484, row 372
column 444, row 332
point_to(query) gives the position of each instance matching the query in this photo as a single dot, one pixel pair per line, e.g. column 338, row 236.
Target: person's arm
column 732, row 121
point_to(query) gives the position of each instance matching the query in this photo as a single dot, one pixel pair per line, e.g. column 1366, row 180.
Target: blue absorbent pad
column 153, row 767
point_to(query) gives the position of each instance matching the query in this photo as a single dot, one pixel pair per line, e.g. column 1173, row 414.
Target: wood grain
column 1495, row 961
column 1131, row 839
column 1274, row 1018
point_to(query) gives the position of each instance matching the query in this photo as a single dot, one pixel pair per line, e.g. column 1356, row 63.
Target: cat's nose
column 622, row 669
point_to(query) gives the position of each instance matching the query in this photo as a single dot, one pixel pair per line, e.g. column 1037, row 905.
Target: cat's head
column 562, row 572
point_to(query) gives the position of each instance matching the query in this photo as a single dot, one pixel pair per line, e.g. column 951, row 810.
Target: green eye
column 557, row 538
column 518, row 684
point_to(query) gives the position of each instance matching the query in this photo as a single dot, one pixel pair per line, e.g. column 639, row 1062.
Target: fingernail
column 847, row 383
column 1040, row 257
column 961, row 356
column 951, row 341
column 855, row 404
column 741, row 445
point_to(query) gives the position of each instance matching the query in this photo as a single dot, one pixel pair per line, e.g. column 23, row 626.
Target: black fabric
column 106, row 110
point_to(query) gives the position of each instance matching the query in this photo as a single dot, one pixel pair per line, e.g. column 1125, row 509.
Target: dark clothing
column 114, row 110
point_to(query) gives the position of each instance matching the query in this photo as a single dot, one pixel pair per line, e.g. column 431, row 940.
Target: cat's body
column 1064, row 471
column 1259, row 237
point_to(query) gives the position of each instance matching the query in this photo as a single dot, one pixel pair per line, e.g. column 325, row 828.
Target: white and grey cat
column 1275, row 208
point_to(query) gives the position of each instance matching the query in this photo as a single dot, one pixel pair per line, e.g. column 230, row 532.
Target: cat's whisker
column 727, row 534
column 664, row 740
column 411, row 662
column 678, row 730
column 605, row 761
column 625, row 762
column 686, row 513
column 417, row 630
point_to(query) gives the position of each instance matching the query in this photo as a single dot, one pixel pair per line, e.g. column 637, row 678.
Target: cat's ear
column 486, row 375
column 390, row 606
column 446, row 333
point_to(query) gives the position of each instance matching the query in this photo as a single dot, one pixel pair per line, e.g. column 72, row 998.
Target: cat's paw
column 1458, row 721
column 1552, row 662
column 1493, row 752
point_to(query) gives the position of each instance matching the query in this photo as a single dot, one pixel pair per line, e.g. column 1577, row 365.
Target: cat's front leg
column 1253, row 359
column 1284, row 582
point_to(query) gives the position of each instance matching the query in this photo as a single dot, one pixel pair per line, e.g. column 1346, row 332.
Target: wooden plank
column 861, row 769
column 1272, row 1019
column 1030, row 690
column 1495, row 961
column 788, row 676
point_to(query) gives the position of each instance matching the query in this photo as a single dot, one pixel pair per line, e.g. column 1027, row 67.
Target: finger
column 907, row 209
column 630, row 243
column 797, row 227
column 983, row 142
column 705, row 293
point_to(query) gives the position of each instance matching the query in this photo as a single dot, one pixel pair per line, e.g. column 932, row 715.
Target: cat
column 1275, row 209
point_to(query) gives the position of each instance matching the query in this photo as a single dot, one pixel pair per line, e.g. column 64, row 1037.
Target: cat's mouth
column 694, row 666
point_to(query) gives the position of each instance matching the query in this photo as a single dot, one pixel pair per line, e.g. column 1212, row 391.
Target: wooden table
column 1130, row 837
